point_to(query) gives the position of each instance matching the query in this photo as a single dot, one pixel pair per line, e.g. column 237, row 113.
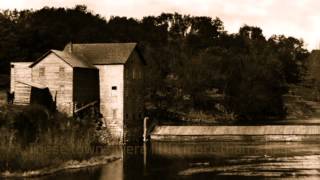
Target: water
column 203, row 160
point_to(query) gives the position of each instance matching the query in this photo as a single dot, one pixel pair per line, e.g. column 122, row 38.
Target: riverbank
column 72, row 164
column 33, row 139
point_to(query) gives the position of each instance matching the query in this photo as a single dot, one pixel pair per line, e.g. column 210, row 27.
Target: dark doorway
column 42, row 97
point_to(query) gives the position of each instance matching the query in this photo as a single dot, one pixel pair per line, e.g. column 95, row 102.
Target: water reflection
column 240, row 160
column 218, row 160
column 113, row 171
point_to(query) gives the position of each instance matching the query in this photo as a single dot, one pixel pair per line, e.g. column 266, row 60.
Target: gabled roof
column 70, row 59
column 102, row 53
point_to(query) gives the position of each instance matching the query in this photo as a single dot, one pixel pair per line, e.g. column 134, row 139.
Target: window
column 61, row 89
column 136, row 74
column 41, row 71
column 140, row 75
column 114, row 113
column 61, row 72
column 12, row 65
column 114, row 92
column 133, row 74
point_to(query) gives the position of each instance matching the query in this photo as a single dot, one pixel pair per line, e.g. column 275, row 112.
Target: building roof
column 102, row 53
column 70, row 59
column 21, row 62
column 88, row 55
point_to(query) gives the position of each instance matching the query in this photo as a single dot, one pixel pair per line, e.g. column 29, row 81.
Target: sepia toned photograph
column 159, row 89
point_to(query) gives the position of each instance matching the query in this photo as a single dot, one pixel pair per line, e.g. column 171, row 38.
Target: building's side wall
column 85, row 85
column 20, row 71
column 58, row 77
column 111, row 100
column 133, row 99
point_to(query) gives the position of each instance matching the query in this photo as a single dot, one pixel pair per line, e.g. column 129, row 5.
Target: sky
column 297, row 18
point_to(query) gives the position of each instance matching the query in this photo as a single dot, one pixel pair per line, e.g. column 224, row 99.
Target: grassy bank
column 33, row 139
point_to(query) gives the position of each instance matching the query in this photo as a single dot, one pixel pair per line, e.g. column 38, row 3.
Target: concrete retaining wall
column 237, row 133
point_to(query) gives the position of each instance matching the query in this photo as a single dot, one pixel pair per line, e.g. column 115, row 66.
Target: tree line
column 187, row 56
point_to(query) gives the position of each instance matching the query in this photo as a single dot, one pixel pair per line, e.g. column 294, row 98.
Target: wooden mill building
column 110, row 74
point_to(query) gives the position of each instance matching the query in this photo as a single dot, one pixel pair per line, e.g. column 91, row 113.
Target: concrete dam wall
column 237, row 133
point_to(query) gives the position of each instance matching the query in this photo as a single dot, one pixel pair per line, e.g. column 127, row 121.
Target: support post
column 145, row 129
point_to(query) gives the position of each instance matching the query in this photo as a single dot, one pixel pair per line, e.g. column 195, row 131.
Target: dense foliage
column 187, row 56
column 32, row 138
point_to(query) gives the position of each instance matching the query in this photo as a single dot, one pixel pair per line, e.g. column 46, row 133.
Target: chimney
column 69, row 48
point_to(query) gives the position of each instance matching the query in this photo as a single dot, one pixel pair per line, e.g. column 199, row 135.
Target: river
column 206, row 160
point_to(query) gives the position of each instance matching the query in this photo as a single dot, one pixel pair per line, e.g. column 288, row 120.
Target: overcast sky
column 298, row 18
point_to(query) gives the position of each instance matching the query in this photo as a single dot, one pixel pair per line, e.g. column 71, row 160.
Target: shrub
column 31, row 122
column 37, row 139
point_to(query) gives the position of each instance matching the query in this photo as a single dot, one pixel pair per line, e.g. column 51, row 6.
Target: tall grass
column 61, row 140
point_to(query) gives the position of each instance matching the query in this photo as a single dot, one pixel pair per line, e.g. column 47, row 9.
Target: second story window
column 42, row 71
column 61, row 89
column 61, row 72
column 136, row 73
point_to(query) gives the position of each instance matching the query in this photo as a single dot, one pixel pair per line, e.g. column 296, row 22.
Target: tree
column 255, row 86
column 186, row 55
column 292, row 56
column 255, row 81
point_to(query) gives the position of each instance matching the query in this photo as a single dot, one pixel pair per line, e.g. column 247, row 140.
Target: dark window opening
column 114, row 88
column 12, row 66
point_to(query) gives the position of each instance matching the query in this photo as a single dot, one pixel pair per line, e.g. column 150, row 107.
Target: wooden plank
column 85, row 106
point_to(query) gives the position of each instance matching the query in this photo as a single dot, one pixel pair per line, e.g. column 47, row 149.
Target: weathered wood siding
column 22, row 93
column 85, row 85
column 58, row 77
column 133, row 99
column 111, row 100
column 20, row 71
